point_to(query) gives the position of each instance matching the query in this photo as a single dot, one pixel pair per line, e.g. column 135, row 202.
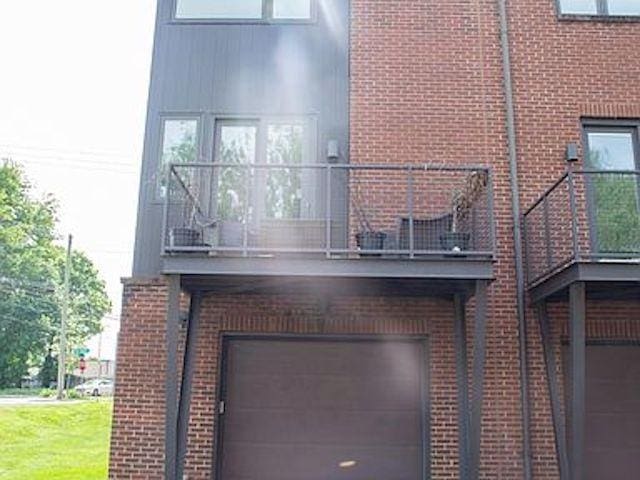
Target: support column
column 462, row 374
column 184, row 406
column 479, row 355
column 554, row 395
column 171, row 385
column 577, row 311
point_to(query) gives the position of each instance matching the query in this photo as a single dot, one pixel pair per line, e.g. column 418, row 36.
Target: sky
column 74, row 78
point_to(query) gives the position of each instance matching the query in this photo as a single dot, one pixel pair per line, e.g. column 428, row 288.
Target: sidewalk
column 16, row 400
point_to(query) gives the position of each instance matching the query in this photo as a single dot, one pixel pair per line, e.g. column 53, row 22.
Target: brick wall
column 426, row 88
column 564, row 71
column 138, row 431
column 137, row 443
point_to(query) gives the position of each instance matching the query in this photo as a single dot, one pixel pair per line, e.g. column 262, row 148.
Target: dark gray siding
column 222, row 70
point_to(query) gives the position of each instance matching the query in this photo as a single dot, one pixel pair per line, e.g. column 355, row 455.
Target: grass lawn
column 55, row 442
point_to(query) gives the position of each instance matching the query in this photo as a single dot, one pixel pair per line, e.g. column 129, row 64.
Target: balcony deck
column 349, row 229
column 585, row 228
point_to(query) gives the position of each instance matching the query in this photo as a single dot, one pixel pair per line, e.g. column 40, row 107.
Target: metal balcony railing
column 339, row 211
column 586, row 216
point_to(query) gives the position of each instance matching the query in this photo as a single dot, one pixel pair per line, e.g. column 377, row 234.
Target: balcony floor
column 439, row 277
column 605, row 280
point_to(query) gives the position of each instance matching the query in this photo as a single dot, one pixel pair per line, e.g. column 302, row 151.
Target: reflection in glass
column 179, row 145
column 624, row 7
column 584, row 7
column 284, row 185
column 219, row 9
column 614, row 196
column 292, row 9
column 236, row 146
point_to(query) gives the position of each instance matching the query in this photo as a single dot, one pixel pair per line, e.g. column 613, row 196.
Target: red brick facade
column 426, row 87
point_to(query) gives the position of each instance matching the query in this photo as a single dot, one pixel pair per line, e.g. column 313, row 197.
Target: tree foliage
column 31, row 279
column 615, row 199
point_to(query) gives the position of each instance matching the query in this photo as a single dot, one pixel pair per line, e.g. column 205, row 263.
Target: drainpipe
column 517, row 235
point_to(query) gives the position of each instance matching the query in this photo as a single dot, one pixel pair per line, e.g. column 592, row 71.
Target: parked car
column 96, row 388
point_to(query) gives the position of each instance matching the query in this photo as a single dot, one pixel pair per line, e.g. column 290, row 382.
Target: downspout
column 517, row 235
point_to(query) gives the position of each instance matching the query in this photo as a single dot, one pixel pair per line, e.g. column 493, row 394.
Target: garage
column 322, row 409
column 612, row 429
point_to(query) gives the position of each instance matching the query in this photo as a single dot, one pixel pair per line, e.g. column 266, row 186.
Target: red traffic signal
column 82, row 364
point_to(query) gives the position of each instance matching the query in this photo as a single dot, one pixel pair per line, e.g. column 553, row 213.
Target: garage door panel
column 330, row 426
column 296, row 409
column 619, row 464
column 319, row 462
column 612, row 426
column 613, row 396
column 340, row 392
column 612, row 431
column 623, row 360
column 322, row 358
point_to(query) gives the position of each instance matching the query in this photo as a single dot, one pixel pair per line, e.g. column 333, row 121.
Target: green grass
column 55, row 442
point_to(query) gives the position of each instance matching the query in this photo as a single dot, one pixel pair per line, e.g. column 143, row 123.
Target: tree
column 31, row 276
column 615, row 201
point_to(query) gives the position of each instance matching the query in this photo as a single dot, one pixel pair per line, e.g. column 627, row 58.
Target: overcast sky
column 74, row 77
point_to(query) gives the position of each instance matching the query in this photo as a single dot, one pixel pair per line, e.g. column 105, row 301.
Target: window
column 600, row 7
column 179, row 145
column 236, row 145
column 614, row 188
column 285, row 146
column 294, row 10
column 274, row 192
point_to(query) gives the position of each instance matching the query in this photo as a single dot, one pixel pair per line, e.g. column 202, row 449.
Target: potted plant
column 462, row 203
column 193, row 218
column 367, row 238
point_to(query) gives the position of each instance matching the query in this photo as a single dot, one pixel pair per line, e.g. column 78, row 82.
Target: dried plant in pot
column 462, row 203
column 367, row 238
column 194, row 220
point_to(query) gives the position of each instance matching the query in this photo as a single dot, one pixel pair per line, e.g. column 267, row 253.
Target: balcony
column 586, row 227
column 329, row 221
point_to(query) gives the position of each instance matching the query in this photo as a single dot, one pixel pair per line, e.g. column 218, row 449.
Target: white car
column 96, row 388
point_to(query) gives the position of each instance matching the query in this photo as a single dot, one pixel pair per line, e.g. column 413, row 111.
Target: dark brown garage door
column 323, row 410
column 612, row 430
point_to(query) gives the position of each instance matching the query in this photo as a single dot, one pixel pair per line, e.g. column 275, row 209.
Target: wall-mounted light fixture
column 333, row 150
column 572, row 152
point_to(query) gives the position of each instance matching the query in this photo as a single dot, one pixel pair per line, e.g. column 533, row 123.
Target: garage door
column 322, row 410
column 612, row 429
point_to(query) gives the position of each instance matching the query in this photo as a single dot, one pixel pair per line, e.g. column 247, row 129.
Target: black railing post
column 574, row 219
column 490, row 206
column 547, row 232
column 328, row 212
column 410, row 208
column 165, row 212
column 527, row 249
column 245, row 212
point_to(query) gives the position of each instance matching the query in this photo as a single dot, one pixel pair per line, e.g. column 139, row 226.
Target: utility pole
column 64, row 313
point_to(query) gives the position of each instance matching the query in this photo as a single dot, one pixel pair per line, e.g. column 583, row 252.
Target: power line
column 62, row 158
column 101, row 153
column 73, row 166
column 83, row 158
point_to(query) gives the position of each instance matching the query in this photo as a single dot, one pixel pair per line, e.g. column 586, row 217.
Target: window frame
column 595, row 125
column 266, row 19
column 602, row 14
column 262, row 124
column 158, row 173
